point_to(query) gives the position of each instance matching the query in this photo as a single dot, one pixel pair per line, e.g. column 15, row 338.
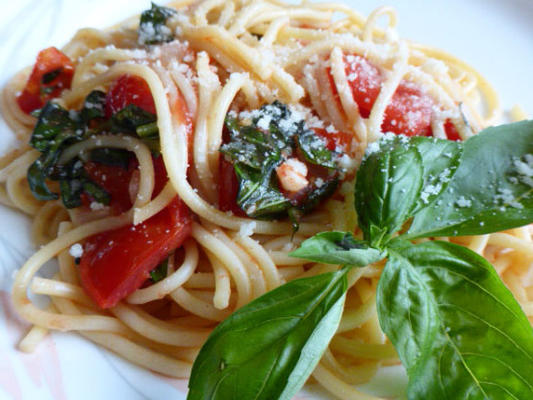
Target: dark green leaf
column 456, row 327
column 152, row 28
column 160, row 272
column 109, row 156
column 53, row 121
column 388, row 186
column 130, row 118
column 97, row 193
column 337, row 248
column 492, row 189
column 50, row 76
column 314, row 149
column 71, row 191
column 94, row 106
column 258, row 196
column 273, row 134
column 36, row 176
column 267, row 349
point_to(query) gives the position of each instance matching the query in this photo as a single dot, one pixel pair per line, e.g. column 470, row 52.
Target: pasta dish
column 174, row 162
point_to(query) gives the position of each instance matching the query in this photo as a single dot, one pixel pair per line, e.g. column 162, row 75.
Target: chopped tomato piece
column 409, row 112
column 126, row 90
column 51, row 74
column 115, row 180
column 228, row 188
column 116, row 263
column 365, row 81
column 451, row 131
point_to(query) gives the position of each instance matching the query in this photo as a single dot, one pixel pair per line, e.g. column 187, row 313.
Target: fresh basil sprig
column 152, row 26
column 457, row 329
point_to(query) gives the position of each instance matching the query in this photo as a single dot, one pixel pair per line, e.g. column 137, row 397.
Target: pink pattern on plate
column 42, row 366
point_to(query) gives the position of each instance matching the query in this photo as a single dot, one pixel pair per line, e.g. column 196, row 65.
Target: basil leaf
column 440, row 159
column 152, row 28
column 337, row 248
column 492, row 189
column 272, row 135
column 54, row 122
column 258, row 196
column 93, row 106
column 49, row 77
column 36, row 175
column 113, row 157
column 314, row 149
column 456, row 327
column 267, row 349
column 74, row 181
column 160, row 272
column 387, row 188
column 130, row 118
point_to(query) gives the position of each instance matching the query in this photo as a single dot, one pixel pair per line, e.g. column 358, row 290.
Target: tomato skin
column 365, row 81
column 409, row 112
column 36, row 92
column 451, row 131
column 228, row 188
column 126, row 90
column 115, row 180
column 116, row 263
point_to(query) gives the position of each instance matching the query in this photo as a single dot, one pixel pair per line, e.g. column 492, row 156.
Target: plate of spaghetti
column 262, row 200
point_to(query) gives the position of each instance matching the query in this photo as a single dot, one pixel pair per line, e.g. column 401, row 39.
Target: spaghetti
column 229, row 58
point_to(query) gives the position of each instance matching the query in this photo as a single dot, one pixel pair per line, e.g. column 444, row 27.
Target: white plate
column 495, row 36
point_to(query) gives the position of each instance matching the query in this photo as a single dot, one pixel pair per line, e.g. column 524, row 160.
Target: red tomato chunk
column 51, row 74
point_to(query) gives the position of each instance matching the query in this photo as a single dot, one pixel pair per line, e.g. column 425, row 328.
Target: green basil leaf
column 440, row 159
column 93, row 106
column 113, row 157
column 258, row 196
column 49, row 77
column 272, row 135
column 71, row 191
column 456, row 327
column 337, row 248
column 54, row 121
column 388, row 186
column 130, row 118
column 152, row 28
column 160, row 272
column 96, row 192
column 268, row 348
column 37, row 174
column 315, row 150
column 492, row 190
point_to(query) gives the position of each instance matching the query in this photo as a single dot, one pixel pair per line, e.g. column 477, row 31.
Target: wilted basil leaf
column 152, row 28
